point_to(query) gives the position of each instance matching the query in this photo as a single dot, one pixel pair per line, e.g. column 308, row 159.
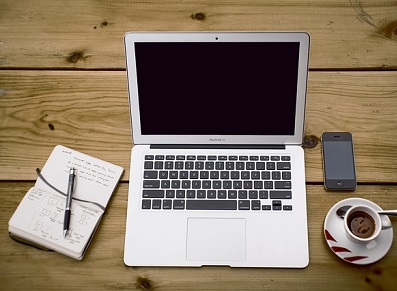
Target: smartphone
column 338, row 161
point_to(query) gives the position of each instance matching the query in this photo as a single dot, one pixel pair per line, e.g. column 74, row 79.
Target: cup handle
column 386, row 223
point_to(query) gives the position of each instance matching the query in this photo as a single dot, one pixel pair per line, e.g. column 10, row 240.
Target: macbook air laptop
column 217, row 171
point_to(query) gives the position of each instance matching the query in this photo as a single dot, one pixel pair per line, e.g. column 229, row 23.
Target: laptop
column 217, row 171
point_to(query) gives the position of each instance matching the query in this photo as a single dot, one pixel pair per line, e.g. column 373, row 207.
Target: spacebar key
column 211, row 204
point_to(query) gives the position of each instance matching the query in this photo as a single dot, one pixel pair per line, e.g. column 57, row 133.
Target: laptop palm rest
column 216, row 239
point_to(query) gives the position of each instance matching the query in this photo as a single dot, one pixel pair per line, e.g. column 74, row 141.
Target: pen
column 66, row 221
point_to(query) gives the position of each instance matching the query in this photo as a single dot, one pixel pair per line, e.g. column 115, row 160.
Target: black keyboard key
column 159, row 157
column 214, row 174
column 201, row 194
column 244, row 205
column 258, row 185
column 165, row 184
column 209, row 165
column 260, row 165
column 175, row 184
column 186, row 184
column 255, row 205
column 178, row 204
column 270, row 166
column 206, row 184
column 276, row 205
column 158, row 165
column 211, row 194
column 153, row 193
column 283, row 166
column 196, row 184
column 173, row 174
column 183, row 174
column 222, row 194
column 253, row 194
column 224, row 174
column 167, row 204
column 280, row 195
column 180, row 193
column 237, row 185
column 189, row 165
column 285, row 158
column 242, row 194
column 194, row 174
column 150, row 174
column 170, row 193
column 199, row 165
column 232, row 194
column 151, row 184
column 211, row 204
column 169, row 165
column 247, row 184
column 163, row 174
column 179, row 165
column 286, row 175
column 170, row 157
column 148, row 165
column 146, row 204
column 191, row 194
column 276, row 175
column 282, row 184
column 149, row 157
column 287, row 207
column 156, row 204
column 263, row 194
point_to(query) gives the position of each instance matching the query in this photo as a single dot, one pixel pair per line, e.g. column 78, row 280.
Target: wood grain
column 102, row 267
column 89, row 34
column 88, row 111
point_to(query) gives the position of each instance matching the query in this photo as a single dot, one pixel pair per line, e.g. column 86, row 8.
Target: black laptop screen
column 217, row 88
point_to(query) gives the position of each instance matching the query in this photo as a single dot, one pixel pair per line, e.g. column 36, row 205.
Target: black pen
column 66, row 221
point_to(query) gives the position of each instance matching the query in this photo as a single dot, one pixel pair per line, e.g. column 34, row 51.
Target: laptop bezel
column 295, row 139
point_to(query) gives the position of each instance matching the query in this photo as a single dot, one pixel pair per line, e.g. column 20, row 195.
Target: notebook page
column 39, row 218
column 95, row 179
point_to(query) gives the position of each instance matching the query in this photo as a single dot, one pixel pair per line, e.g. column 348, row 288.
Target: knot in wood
column 310, row 141
column 144, row 284
column 75, row 57
column 199, row 16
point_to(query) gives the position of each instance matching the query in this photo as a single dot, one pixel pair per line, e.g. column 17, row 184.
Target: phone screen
column 338, row 160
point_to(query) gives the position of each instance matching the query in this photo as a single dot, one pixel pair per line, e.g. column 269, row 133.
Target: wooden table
column 63, row 81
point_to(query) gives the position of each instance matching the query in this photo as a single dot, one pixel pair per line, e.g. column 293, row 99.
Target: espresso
column 361, row 224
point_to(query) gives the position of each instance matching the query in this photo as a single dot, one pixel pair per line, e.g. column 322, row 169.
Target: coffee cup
column 363, row 224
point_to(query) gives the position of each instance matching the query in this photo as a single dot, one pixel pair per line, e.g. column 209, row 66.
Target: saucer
column 348, row 250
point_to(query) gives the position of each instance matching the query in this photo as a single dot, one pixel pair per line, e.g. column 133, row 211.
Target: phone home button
column 340, row 183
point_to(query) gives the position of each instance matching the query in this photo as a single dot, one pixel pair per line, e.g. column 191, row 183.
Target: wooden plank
column 89, row 34
column 88, row 111
column 102, row 268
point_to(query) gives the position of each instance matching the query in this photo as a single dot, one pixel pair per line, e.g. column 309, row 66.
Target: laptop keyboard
column 200, row 182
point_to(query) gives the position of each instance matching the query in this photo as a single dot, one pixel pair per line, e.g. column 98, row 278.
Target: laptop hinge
column 217, row 146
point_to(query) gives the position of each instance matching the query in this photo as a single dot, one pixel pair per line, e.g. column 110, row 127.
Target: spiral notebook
column 38, row 220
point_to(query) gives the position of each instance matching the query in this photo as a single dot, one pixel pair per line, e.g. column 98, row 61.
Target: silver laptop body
column 217, row 171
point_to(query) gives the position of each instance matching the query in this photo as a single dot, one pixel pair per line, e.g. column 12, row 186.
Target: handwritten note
column 94, row 180
column 41, row 214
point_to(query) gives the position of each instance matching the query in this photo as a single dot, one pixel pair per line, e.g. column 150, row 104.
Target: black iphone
column 338, row 161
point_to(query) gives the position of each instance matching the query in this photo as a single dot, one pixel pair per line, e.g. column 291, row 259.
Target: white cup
column 364, row 224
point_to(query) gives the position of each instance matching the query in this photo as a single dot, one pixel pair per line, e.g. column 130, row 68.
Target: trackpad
column 215, row 239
